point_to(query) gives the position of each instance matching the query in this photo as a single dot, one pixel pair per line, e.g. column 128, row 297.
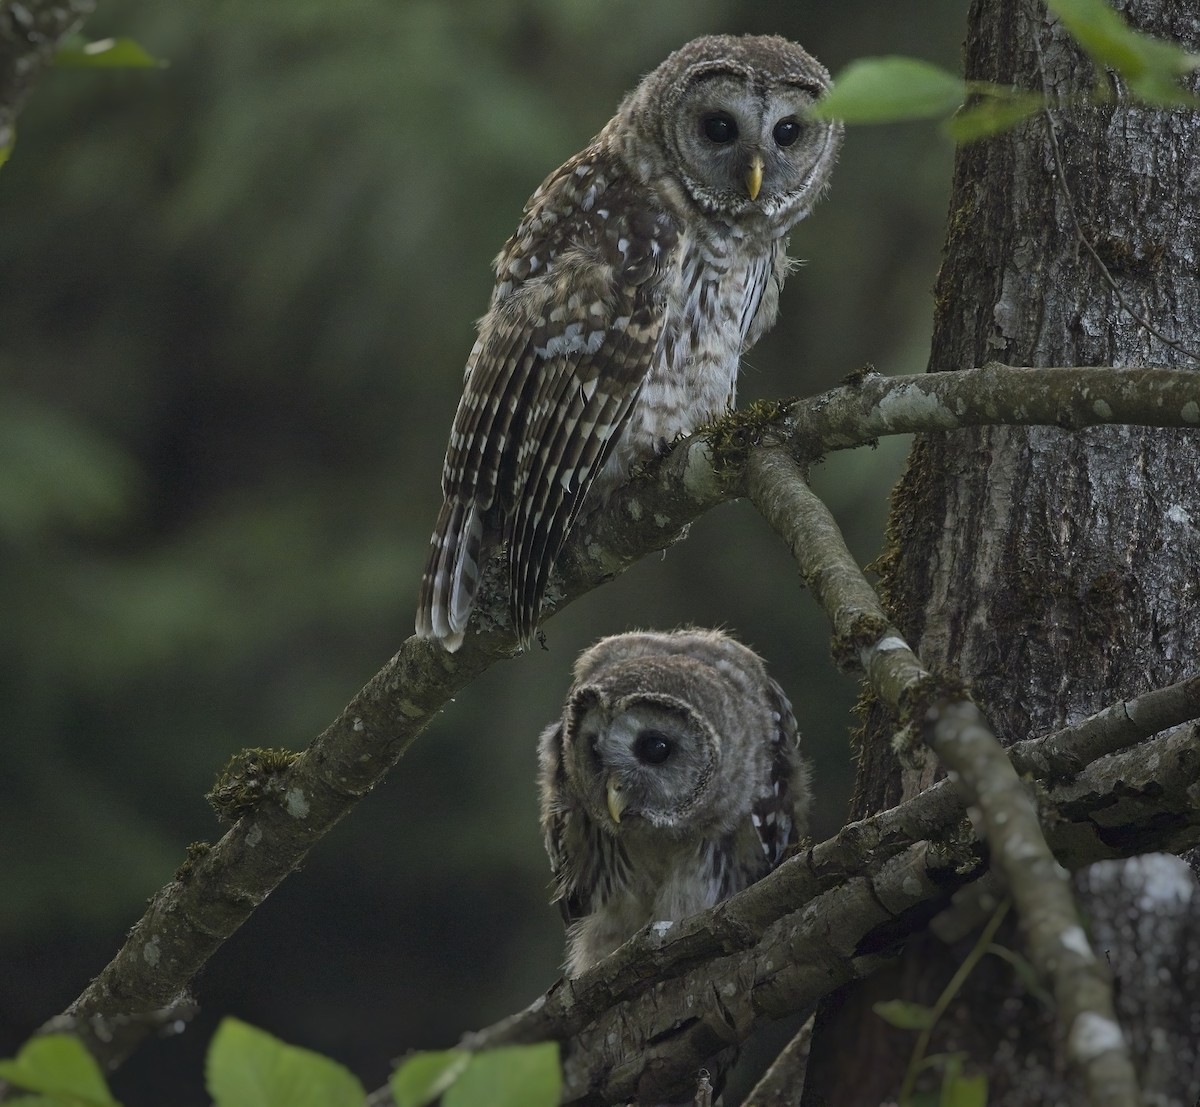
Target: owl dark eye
column 719, row 127
column 652, row 747
column 786, row 132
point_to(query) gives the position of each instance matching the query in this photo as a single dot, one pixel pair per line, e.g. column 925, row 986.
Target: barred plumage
column 642, row 270
column 673, row 780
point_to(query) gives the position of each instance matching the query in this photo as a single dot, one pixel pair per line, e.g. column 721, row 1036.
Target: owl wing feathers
column 779, row 814
column 575, row 326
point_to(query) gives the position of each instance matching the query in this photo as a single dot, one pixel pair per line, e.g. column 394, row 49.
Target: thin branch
column 955, row 729
column 964, row 970
column 1112, row 729
column 299, row 802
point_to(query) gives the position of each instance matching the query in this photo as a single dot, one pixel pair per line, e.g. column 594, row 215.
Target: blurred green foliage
column 236, row 300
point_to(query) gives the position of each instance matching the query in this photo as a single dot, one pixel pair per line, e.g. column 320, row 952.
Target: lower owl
column 673, row 780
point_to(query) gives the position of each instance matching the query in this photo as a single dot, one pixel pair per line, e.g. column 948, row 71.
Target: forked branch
column 306, row 795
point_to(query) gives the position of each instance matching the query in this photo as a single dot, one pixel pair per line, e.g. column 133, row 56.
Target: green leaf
column 904, row 1015
column 885, row 90
column 1162, row 91
column 44, row 1101
column 58, row 1065
column 964, row 1091
column 6, row 147
column 992, row 115
column 1151, row 66
column 106, row 53
column 421, row 1078
column 514, row 1076
column 248, row 1067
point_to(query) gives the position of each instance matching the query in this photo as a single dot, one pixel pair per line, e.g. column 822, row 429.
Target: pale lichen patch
column 1190, row 412
column 1092, row 1035
column 1074, row 939
column 296, row 803
column 911, row 402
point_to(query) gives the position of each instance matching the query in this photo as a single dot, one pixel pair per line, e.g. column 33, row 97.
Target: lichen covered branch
column 305, row 795
column 954, row 728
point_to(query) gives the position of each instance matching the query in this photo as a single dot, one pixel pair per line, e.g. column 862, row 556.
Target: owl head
column 653, row 733
column 724, row 123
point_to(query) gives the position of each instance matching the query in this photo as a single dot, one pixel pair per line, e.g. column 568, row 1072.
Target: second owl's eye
column 652, row 747
column 786, row 132
column 719, row 127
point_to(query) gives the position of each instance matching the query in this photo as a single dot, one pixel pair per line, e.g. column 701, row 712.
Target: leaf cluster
column 896, row 89
column 247, row 1067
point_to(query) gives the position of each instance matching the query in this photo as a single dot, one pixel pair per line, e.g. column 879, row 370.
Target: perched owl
column 673, row 780
column 641, row 272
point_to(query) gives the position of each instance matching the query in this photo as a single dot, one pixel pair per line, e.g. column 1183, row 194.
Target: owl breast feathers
column 673, row 780
column 641, row 272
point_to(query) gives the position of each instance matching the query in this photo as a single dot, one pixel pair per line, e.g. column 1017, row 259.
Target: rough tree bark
column 1052, row 571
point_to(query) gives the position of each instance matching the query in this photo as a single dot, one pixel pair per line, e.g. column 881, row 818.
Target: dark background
column 235, row 301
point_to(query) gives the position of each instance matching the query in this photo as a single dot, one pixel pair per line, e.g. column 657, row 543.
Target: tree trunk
column 1054, row 571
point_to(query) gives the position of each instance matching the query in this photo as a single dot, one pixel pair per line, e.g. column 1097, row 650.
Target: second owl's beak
column 616, row 801
column 754, row 177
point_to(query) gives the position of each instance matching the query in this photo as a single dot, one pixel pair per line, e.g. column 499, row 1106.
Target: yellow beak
column 616, row 801
column 754, row 177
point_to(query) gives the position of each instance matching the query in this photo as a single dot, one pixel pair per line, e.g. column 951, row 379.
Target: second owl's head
column 643, row 758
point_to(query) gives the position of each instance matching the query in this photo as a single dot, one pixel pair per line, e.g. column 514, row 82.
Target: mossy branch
column 147, row 981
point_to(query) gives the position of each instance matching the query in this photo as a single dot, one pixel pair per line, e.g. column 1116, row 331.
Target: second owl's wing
column 780, row 815
column 574, row 328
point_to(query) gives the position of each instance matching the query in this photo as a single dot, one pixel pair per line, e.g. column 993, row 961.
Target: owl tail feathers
column 451, row 575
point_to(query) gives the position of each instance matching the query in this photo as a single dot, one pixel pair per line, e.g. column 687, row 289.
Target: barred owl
column 673, row 780
column 644, row 267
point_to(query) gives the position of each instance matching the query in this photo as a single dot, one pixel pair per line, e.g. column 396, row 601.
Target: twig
column 1112, row 729
column 964, row 970
column 954, row 728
